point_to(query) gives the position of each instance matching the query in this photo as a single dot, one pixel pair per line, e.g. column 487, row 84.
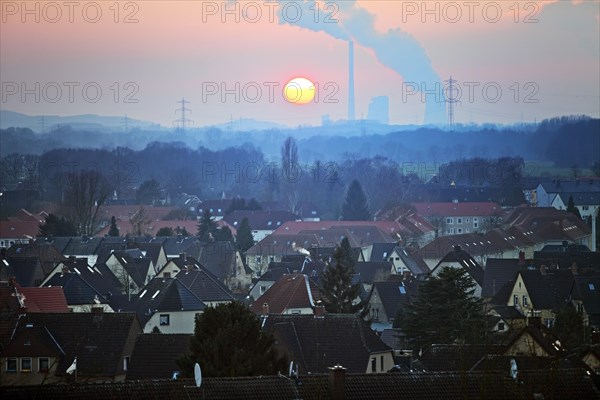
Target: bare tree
column 140, row 222
column 85, row 192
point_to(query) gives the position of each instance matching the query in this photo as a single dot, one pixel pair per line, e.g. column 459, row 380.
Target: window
column 296, row 312
column 164, row 319
column 501, row 326
column 43, row 364
column 525, row 302
column 25, row 364
column 11, row 365
column 449, row 221
column 373, row 364
column 459, row 220
column 549, row 322
column 263, row 288
column 125, row 363
column 381, row 363
column 585, row 208
column 516, row 300
column 167, row 275
column 580, row 307
column 458, row 230
column 449, row 231
column 466, row 220
column 475, row 222
column 271, row 258
column 258, row 259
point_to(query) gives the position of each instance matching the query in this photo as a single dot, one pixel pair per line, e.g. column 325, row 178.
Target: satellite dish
column 514, row 373
column 198, row 375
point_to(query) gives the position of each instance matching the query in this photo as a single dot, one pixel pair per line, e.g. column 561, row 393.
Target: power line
column 183, row 121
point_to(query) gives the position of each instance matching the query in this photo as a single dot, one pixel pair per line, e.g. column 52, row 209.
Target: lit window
column 25, row 364
column 125, row 363
column 591, row 286
column 164, row 319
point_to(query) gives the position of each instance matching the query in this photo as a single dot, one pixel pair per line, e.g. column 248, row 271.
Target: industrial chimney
column 351, row 111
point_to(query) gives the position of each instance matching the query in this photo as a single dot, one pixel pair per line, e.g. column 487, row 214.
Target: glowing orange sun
column 299, row 91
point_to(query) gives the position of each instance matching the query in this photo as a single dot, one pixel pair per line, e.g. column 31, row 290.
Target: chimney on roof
column 457, row 248
column 319, row 309
column 534, row 318
column 72, row 258
column 543, row 269
column 182, row 256
column 98, row 310
column 337, row 382
column 574, row 268
column 521, row 258
column 265, row 309
column 64, row 269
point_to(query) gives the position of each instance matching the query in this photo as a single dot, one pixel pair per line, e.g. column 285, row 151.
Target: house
column 216, row 208
column 505, row 318
column 459, row 258
column 534, row 339
column 131, row 268
column 455, row 357
column 585, row 295
column 498, row 272
column 293, row 293
column 167, row 306
column 206, row 286
column 541, row 291
column 16, row 300
column 306, row 210
column 27, row 271
column 154, row 356
column 44, row 346
column 313, row 342
column 336, row 384
column 404, row 260
column 386, row 298
column 591, row 357
column 262, row 223
column 460, row 217
column 46, row 253
column 17, row 232
column 555, row 193
column 80, row 295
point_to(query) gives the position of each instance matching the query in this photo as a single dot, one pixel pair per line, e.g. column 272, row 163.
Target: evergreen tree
column 355, row 207
column 336, row 283
column 165, row 231
column 244, row 239
column 571, row 207
column 207, row 228
column 445, row 311
column 114, row 229
column 228, row 341
column 55, row 226
column 224, row 235
column 569, row 328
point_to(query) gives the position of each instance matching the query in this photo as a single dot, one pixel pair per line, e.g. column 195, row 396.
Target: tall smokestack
column 351, row 81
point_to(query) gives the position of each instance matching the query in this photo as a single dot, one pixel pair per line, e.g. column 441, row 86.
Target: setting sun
column 299, row 91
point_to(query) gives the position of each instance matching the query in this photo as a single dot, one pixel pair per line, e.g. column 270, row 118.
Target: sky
column 513, row 61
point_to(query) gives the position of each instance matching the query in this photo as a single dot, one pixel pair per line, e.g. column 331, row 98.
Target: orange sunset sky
column 160, row 51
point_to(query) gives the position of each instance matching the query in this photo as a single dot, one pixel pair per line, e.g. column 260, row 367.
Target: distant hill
column 89, row 122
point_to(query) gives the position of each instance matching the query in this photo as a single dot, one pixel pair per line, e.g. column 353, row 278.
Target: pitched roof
column 290, row 291
column 162, row 295
column 587, row 288
column 44, row 299
column 45, row 252
column 154, row 355
column 456, row 357
column 467, row 209
column 77, row 291
column 19, row 229
column 315, row 343
column 206, row 286
column 26, row 270
column 395, row 294
column 259, row 219
column 464, row 259
column 589, row 185
column 497, row 273
column 98, row 341
column 549, row 290
column 370, row 271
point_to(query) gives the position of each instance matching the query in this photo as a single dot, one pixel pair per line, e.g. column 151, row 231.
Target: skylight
column 143, row 293
column 402, row 289
column 591, row 286
column 156, row 294
column 76, row 270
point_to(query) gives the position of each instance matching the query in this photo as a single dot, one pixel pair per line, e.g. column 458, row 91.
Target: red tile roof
column 44, row 299
column 457, row 209
column 19, row 229
column 290, row 291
